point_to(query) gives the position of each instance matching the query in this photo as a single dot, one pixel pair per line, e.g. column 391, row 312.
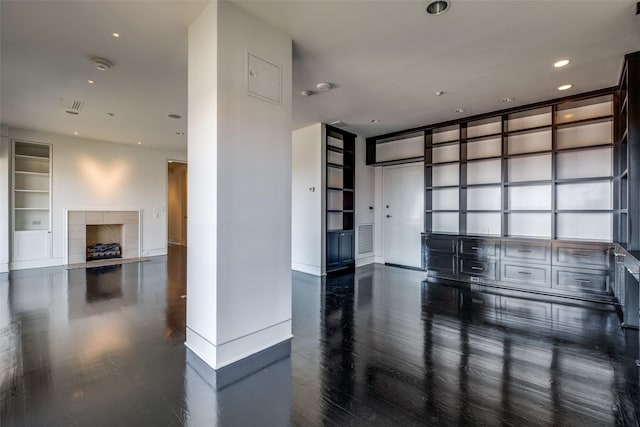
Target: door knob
column 388, row 216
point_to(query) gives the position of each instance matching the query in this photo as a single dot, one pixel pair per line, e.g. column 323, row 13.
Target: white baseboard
column 365, row 261
column 4, row 267
column 306, row 268
column 379, row 259
column 154, row 252
column 40, row 263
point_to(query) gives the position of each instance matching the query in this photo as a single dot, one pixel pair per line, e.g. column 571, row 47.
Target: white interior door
column 403, row 213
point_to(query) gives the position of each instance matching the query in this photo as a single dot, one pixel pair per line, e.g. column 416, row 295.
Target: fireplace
column 101, row 235
column 104, row 241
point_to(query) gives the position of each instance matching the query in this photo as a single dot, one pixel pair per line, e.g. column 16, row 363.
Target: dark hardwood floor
column 104, row 347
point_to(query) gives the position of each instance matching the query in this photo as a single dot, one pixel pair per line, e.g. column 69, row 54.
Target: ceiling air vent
column 73, row 106
column 339, row 123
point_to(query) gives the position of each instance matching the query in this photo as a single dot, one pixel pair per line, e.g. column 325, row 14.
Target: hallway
column 105, row 347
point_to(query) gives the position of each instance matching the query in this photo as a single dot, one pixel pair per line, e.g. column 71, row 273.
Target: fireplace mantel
column 77, row 221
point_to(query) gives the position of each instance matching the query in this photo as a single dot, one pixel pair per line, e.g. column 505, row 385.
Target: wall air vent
column 71, row 104
column 365, row 238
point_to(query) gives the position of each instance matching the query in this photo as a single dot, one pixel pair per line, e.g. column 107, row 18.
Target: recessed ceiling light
column 90, row 82
column 565, row 87
column 180, row 133
column 324, row 86
column 561, row 63
column 101, row 64
column 139, row 142
column 306, row 93
column 509, row 99
column 437, row 7
column 439, row 93
column 116, row 35
column 75, row 133
column 459, row 110
column 375, row 121
column 175, row 116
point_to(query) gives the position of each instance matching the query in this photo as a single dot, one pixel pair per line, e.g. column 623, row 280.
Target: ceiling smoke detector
column 437, row 7
column 101, row 63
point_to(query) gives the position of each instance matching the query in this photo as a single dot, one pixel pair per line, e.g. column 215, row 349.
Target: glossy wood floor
column 104, row 347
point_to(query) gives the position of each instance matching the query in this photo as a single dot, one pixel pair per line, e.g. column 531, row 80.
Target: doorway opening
column 177, row 203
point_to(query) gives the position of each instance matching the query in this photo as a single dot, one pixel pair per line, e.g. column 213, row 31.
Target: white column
column 239, row 185
column 5, row 198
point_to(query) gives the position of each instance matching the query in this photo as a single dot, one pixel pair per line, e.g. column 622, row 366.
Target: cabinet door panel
column 31, row 245
column 333, row 250
column 346, row 248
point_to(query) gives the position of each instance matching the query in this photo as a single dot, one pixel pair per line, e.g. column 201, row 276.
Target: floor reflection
column 378, row 347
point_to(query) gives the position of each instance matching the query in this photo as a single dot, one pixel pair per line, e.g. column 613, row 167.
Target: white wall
column 241, row 151
column 88, row 174
column 365, row 198
column 4, row 198
column 306, row 205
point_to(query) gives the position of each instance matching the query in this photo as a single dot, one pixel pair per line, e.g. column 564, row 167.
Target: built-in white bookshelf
column 31, row 186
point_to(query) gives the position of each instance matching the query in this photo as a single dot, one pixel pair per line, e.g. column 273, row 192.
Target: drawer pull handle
column 524, row 250
column 526, row 273
column 582, row 280
column 476, row 248
column 477, row 268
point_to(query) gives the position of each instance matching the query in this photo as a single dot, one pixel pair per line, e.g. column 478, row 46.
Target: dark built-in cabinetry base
column 554, row 267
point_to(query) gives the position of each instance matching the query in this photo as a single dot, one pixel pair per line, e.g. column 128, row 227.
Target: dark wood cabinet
column 340, row 250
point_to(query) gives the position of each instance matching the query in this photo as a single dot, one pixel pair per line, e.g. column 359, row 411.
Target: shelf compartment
column 584, row 226
column 31, row 182
column 484, row 198
column 31, row 220
column 400, row 148
column 584, row 164
column 31, row 149
column 480, row 128
column 479, row 149
column 530, row 168
column 529, row 224
column 445, row 222
column 339, row 200
column 484, row 171
column 445, row 175
column 31, row 200
column 534, row 197
column 585, row 135
column 585, row 195
column 530, row 142
column 484, row 223
column 339, row 221
column 336, row 158
column 585, row 109
column 445, row 199
column 529, row 119
column 446, row 134
column 335, row 178
column 29, row 164
column 335, row 142
column 445, row 153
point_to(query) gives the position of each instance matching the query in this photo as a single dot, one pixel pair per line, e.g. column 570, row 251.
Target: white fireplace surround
column 77, row 221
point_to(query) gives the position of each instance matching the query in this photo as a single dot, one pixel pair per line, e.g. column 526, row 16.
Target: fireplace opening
column 104, row 241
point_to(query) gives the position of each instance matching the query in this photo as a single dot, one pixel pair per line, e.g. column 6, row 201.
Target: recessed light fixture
column 75, row 133
column 174, row 116
column 439, row 93
column 561, row 63
column 116, row 35
column 180, row 133
column 375, row 121
column 90, row 82
column 306, row 93
column 565, row 87
column 509, row 99
column 139, row 142
column 459, row 110
column 324, row 86
column 437, row 7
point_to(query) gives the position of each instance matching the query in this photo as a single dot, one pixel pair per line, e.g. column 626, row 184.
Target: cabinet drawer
column 477, row 267
column 479, row 247
column 581, row 255
column 443, row 263
column 534, row 252
column 536, row 275
column 438, row 243
column 581, row 280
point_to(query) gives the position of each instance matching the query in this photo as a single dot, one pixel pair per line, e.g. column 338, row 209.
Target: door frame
column 170, row 160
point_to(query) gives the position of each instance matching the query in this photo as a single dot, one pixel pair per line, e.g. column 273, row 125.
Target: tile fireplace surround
column 77, row 221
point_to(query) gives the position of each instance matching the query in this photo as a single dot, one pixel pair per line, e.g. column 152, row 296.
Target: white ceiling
column 386, row 59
